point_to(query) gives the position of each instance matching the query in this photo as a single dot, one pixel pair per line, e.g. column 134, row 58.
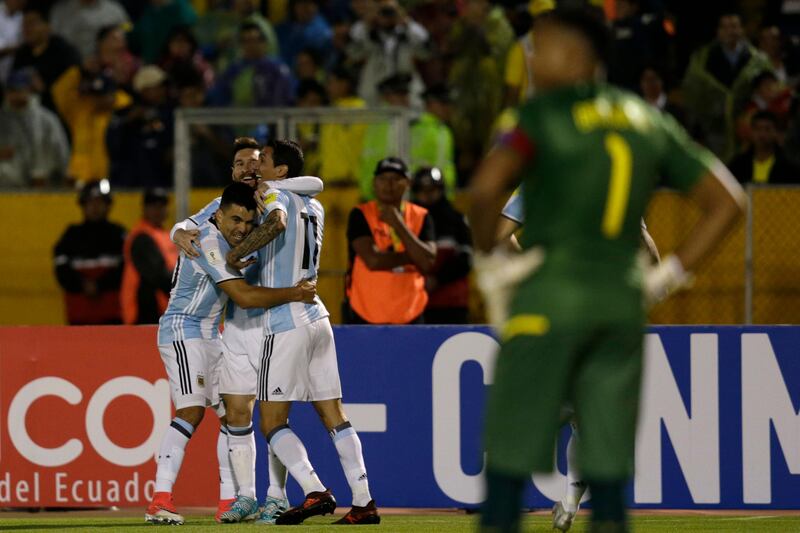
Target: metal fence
column 284, row 123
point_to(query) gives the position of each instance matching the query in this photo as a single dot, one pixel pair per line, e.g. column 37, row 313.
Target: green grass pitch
column 451, row 523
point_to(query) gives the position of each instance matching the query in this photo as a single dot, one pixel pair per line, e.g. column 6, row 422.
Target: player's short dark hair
column 764, row 115
column 586, row 22
column 243, row 143
column 289, row 153
column 238, row 193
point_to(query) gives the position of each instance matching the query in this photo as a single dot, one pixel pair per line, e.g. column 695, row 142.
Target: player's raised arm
column 248, row 297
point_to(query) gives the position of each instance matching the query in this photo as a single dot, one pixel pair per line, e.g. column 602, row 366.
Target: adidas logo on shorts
column 277, row 392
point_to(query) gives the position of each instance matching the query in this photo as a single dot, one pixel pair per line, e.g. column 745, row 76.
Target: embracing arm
column 248, row 296
column 273, row 226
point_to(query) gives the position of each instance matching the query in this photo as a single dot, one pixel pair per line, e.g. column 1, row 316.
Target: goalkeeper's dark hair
column 243, row 143
column 289, row 153
column 589, row 24
column 238, row 193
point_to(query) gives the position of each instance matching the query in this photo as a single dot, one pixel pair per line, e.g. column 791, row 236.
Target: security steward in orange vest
column 391, row 244
column 150, row 258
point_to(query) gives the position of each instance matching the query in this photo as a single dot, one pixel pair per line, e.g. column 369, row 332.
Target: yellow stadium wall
column 29, row 293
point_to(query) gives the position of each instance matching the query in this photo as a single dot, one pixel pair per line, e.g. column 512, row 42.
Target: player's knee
column 270, row 419
column 193, row 415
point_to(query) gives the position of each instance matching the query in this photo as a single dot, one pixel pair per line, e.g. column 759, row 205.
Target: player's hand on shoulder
column 186, row 240
column 234, row 261
column 306, row 290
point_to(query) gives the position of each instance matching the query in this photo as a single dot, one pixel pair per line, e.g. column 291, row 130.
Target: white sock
column 292, row 453
column 277, row 477
column 227, row 482
column 575, row 487
column 170, row 454
column 242, row 452
column 348, row 445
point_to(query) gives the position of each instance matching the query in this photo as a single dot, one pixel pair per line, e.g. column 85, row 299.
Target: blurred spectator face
column 341, row 35
column 254, row 45
column 305, row 11
column 95, row 209
column 770, row 41
column 112, row 44
column 395, row 98
column 363, row 9
column 245, row 165
column 18, row 98
column 730, row 31
column 767, row 89
column 764, row 134
column 428, row 195
column 310, row 99
column 651, row 84
column 156, row 95
column 180, row 47
column 475, row 12
column 35, row 30
column 438, row 108
column 390, row 187
column 245, row 8
column 626, row 8
column 191, row 96
column 388, row 14
column 563, row 57
column 305, row 66
column 155, row 213
column 338, row 88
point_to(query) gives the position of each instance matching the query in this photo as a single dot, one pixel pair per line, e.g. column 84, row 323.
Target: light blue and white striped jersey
column 196, row 301
column 291, row 257
column 514, row 209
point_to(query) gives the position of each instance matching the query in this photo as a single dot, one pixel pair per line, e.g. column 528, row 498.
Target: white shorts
column 193, row 370
column 296, row 365
column 238, row 374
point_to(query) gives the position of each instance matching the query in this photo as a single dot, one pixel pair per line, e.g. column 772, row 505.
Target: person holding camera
column 387, row 42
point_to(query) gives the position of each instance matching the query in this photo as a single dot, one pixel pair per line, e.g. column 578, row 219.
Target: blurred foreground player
column 589, row 156
column 188, row 333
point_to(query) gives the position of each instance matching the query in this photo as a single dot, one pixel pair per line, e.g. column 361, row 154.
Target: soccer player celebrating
column 297, row 356
column 589, row 157
column 188, row 332
column 184, row 234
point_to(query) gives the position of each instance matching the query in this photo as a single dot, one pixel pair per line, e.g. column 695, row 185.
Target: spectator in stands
column 151, row 31
column 639, row 40
column 307, row 66
column 210, row 145
column 651, row 87
column 150, row 258
column 113, row 57
column 10, row 34
column 767, row 95
column 87, row 102
column 765, row 161
column 340, row 40
column 78, row 21
column 181, row 53
column 786, row 69
column 717, row 84
column 391, row 246
column 432, row 140
column 478, row 44
column 48, row 54
column 217, row 30
column 88, row 260
column 385, row 44
column 446, row 284
column 379, row 137
column 140, row 136
column 306, row 30
column 33, row 146
column 519, row 85
column 310, row 93
column 257, row 79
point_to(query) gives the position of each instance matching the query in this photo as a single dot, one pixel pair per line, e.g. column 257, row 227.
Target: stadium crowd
column 90, row 87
